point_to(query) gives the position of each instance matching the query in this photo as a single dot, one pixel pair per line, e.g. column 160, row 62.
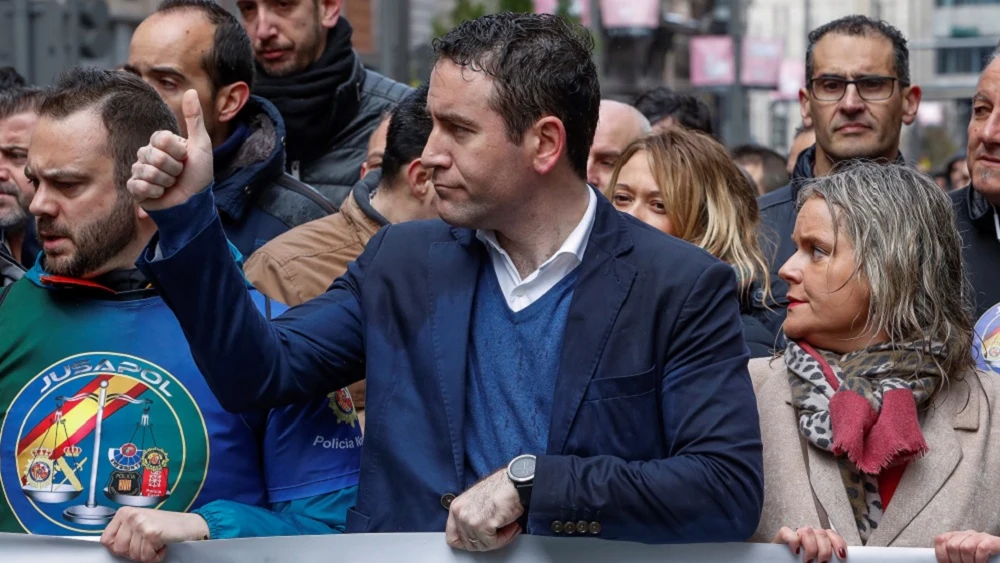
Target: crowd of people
column 251, row 288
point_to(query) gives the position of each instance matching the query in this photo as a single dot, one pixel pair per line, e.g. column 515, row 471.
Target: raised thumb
column 195, row 121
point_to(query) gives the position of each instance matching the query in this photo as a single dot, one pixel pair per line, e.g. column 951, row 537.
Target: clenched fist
column 143, row 534
column 484, row 517
column 171, row 169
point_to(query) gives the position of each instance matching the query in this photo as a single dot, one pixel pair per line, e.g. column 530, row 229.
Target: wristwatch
column 521, row 472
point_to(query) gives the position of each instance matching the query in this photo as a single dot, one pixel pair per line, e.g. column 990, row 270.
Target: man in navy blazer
column 540, row 363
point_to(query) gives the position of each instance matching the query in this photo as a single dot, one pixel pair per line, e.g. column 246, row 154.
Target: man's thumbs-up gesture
column 171, row 169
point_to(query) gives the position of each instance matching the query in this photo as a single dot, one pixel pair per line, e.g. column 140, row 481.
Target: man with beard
column 330, row 102
column 857, row 97
column 18, row 245
column 84, row 330
column 198, row 44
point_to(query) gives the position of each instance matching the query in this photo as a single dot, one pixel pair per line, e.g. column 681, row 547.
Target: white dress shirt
column 523, row 292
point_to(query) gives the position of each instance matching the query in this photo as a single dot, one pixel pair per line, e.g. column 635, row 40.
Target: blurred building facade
column 950, row 42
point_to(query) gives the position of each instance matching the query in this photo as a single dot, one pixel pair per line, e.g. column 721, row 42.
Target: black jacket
column 10, row 269
column 980, row 247
column 759, row 339
column 336, row 172
column 257, row 201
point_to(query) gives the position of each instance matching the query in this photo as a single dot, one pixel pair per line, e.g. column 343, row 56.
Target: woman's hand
column 965, row 547
column 815, row 544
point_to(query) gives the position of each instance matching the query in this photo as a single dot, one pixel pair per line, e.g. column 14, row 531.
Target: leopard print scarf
column 862, row 407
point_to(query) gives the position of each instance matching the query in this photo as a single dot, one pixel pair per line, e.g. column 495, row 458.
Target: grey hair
column 908, row 250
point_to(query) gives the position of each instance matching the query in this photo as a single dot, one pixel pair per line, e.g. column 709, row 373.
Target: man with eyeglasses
column 857, row 97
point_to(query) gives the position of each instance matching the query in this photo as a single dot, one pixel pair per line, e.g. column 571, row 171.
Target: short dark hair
column 541, row 66
column 409, row 128
column 10, row 78
column 653, row 103
column 130, row 110
column 20, row 100
column 863, row 26
column 690, row 112
column 231, row 59
column 772, row 164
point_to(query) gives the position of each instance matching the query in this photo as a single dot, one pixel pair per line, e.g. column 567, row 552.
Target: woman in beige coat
column 877, row 430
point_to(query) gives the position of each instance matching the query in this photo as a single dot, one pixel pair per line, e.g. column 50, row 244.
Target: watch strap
column 524, row 493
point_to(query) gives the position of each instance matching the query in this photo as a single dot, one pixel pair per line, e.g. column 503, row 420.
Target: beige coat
column 953, row 487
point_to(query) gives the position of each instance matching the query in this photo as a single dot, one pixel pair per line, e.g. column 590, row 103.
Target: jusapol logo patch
column 95, row 432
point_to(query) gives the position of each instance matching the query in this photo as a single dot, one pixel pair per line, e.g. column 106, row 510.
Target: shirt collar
column 574, row 245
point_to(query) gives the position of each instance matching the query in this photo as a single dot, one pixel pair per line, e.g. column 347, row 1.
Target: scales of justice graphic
column 139, row 477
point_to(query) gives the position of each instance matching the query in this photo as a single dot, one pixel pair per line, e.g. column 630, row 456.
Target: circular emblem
column 39, row 472
column 106, row 404
column 344, row 401
column 126, row 458
column 154, row 459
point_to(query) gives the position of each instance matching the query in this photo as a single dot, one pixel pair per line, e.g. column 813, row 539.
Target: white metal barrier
column 431, row 548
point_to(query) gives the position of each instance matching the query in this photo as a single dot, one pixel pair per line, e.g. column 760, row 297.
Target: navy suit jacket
column 654, row 432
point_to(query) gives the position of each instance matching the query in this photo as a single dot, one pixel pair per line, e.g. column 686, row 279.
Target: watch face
column 523, row 467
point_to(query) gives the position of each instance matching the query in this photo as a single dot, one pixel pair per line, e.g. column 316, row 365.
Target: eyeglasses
column 870, row 88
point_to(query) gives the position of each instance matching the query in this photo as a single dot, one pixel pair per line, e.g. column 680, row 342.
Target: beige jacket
column 302, row 263
column 952, row 488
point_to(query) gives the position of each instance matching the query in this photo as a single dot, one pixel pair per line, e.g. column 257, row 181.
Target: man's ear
column 417, row 180
column 804, row 108
column 230, row 100
column 911, row 103
column 548, row 143
column 329, row 12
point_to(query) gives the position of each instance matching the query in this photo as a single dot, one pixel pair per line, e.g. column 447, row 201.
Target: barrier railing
column 431, row 548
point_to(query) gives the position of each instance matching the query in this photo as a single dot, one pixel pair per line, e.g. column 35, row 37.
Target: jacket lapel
column 602, row 285
column 923, row 478
column 824, row 476
column 454, row 268
column 827, row 484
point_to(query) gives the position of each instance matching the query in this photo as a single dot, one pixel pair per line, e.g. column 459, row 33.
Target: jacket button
column 595, row 528
column 557, row 527
column 569, row 528
column 446, row 500
column 581, row 527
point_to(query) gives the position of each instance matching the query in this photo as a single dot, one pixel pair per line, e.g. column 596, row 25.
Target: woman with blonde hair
column 876, row 428
column 685, row 184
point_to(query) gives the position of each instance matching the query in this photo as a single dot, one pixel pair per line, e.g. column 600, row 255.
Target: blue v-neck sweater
column 512, row 367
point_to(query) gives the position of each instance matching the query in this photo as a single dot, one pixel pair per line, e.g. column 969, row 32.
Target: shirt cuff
column 179, row 225
column 219, row 526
